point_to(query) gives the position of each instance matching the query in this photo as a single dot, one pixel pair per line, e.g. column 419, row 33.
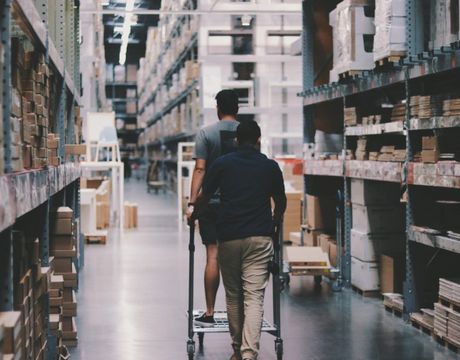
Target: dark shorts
column 207, row 222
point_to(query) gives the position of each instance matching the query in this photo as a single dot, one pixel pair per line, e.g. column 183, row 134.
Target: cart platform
column 221, row 325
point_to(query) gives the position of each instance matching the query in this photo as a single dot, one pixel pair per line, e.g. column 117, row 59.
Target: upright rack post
column 6, row 270
column 6, row 81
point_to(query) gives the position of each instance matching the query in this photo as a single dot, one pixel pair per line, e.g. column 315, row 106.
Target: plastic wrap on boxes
column 324, row 167
column 444, row 14
column 8, row 203
column 390, row 29
column 374, row 170
column 443, row 174
column 352, row 32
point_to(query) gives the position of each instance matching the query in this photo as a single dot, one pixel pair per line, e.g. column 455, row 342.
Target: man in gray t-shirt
column 211, row 142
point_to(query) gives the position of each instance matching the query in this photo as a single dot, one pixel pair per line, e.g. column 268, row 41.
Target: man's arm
column 200, row 156
column 278, row 194
column 197, row 179
column 210, row 185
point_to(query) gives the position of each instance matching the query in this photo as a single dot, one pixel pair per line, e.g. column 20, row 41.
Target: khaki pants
column 244, row 267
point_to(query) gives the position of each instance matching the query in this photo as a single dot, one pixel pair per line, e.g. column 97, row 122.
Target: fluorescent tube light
column 128, row 21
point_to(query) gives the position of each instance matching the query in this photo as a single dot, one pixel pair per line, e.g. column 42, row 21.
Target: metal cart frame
column 274, row 329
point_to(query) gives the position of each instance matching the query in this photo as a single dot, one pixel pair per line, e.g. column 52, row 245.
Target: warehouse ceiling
column 113, row 25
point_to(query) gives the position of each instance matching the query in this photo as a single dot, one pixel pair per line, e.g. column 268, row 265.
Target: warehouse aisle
column 133, row 293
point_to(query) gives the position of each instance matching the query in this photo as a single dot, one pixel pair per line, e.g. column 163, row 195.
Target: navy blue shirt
column 247, row 181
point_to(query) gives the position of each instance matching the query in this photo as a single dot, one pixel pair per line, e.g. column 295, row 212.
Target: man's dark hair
column 248, row 132
column 227, row 102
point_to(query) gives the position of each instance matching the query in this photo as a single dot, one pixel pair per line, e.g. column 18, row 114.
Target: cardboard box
column 64, row 212
column 430, row 143
column 320, row 212
column 63, row 226
column 365, row 275
column 430, row 156
column 392, row 272
column 62, row 242
column 311, row 237
column 11, row 322
column 324, row 240
column 63, row 265
column 75, row 149
column 333, row 252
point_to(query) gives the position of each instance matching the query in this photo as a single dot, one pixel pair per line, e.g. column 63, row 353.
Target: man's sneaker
column 205, row 320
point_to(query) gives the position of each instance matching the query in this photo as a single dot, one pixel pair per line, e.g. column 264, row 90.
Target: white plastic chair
column 108, row 140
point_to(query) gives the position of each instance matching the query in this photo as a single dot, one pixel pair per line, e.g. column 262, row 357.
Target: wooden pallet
column 96, row 239
column 394, row 311
column 367, row 293
column 449, row 303
column 445, row 341
column 417, row 322
column 391, row 59
column 350, row 74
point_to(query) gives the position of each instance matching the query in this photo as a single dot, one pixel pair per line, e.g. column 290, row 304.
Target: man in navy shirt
column 247, row 180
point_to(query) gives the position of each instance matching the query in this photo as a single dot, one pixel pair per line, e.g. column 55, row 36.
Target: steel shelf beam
column 435, row 241
column 23, row 192
column 376, row 79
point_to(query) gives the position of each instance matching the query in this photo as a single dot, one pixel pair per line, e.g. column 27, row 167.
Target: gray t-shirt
column 213, row 141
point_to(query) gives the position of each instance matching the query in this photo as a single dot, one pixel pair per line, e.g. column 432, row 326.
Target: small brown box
column 391, row 273
column 62, row 242
column 311, row 237
column 430, row 156
column 64, row 212
column 430, row 143
column 63, row 227
column 62, row 265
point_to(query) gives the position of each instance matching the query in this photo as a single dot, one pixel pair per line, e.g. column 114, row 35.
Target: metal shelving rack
column 162, row 145
column 418, row 65
column 113, row 94
column 27, row 197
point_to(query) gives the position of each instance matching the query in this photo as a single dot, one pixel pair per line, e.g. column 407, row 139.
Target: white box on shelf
column 378, row 219
column 365, row 275
column 368, row 192
column 351, row 27
column 369, row 247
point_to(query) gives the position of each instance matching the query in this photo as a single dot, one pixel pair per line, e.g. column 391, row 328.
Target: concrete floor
column 133, row 296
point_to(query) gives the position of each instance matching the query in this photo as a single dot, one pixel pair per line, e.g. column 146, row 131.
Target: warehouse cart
column 312, row 261
column 221, row 325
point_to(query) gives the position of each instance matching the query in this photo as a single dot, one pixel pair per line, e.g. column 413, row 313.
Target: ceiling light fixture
column 126, row 31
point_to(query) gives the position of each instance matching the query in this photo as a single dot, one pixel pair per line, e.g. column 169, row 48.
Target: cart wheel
column 191, row 349
column 318, row 280
column 200, row 339
column 279, row 349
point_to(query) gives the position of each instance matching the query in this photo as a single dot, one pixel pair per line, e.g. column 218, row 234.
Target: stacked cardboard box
column 30, row 294
column 390, row 29
column 329, row 245
column 430, row 149
column 103, row 204
column 53, row 142
column 444, row 23
column 447, row 317
column 131, row 211
column 350, row 116
column 351, row 27
column 377, row 230
column 361, row 150
column 320, row 218
column 63, row 247
column 292, row 216
column 10, row 321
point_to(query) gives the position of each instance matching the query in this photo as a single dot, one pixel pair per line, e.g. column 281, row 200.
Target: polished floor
column 133, row 296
